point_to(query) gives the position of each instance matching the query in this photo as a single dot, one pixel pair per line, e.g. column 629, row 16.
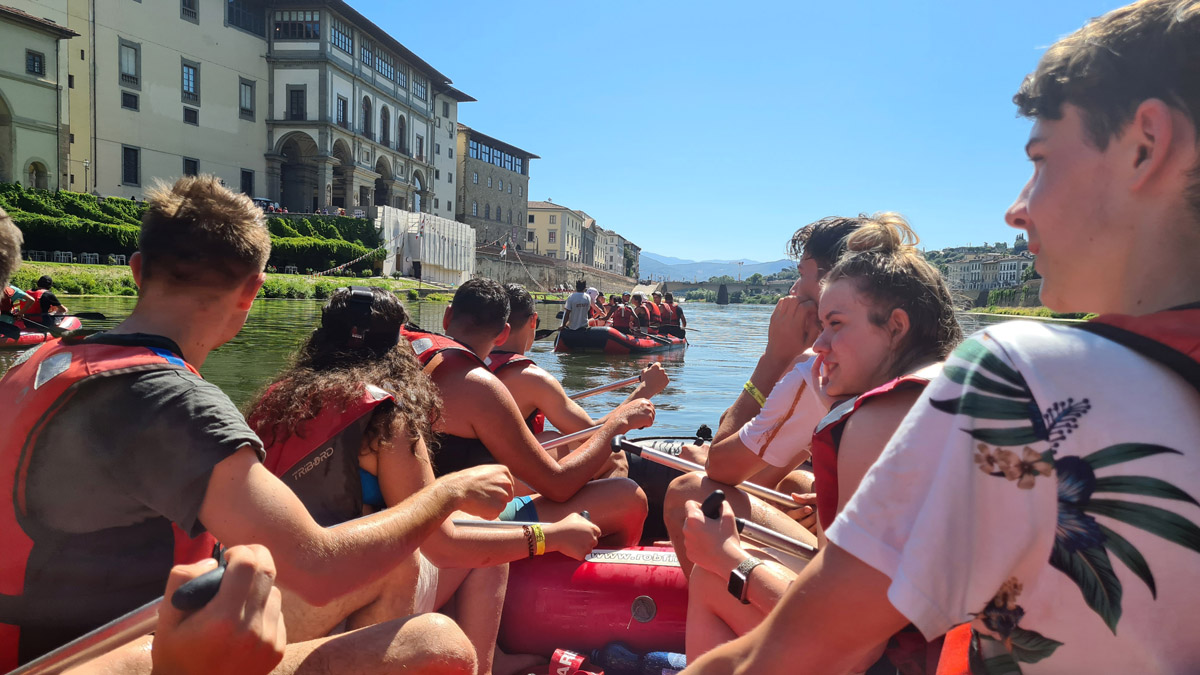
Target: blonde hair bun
column 884, row 232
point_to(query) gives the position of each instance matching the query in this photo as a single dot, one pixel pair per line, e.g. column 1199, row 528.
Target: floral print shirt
column 1043, row 490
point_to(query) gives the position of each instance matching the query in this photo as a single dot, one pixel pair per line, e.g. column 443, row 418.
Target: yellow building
column 555, row 231
column 34, row 129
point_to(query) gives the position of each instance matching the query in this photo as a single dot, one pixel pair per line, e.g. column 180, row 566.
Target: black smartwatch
column 739, row 576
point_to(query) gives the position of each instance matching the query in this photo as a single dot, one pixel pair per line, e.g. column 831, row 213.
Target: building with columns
column 493, row 184
column 34, row 125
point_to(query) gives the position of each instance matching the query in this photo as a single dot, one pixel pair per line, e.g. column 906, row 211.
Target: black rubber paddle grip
column 712, row 505
column 196, row 593
column 618, row 443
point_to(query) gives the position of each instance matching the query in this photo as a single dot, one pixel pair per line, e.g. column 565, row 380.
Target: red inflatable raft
column 609, row 340
column 635, row 595
column 30, row 338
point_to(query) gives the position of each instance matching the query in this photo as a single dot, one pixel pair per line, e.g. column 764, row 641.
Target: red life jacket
column 828, row 436
column 428, row 345
column 668, row 314
column 31, row 306
column 319, row 462
column 622, row 317
column 655, row 312
column 642, row 312
column 498, row 361
column 41, row 382
column 1172, row 338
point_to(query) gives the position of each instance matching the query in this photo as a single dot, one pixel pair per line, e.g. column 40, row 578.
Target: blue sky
column 710, row 130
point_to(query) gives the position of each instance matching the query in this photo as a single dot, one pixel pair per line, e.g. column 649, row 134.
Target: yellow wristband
column 540, row 538
column 755, row 393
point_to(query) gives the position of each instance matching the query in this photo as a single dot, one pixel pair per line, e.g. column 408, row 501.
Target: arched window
column 366, row 116
column 401, row 137
column 487, row 211
column 497, row 214
column 385, row 126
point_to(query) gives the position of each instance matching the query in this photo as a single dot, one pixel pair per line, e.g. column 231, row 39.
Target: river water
column 726, row 341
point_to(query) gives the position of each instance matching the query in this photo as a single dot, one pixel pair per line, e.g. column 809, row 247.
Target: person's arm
column 842, row 603
column 496, row 421
column 532, row 383
column 245, row 504
column 404, row 468
column 792, row 330
column 714, row 545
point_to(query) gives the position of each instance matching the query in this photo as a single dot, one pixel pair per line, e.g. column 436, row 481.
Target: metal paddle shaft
column 124, row 629
column 570, row 438
column 621, row 443
column 608, row 387
column 757, row 533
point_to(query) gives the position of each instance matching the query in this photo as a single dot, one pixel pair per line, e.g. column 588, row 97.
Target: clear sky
column 712, row 130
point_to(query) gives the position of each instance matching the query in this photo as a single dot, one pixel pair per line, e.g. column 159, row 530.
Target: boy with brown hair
column 131, row 460
column 1042, row 489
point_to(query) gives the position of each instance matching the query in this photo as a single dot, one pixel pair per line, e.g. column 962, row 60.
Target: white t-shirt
column 782, row 431
column 578, row 307
column 1042, row 489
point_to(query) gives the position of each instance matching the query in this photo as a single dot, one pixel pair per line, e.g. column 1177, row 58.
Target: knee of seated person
column 688, row 486
column 798, row 481
column 441, row 647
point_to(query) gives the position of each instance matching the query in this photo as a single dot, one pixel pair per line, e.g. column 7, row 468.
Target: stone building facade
column 493, row 182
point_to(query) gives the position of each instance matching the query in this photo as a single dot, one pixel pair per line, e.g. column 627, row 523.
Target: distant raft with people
column 31, row 336
column 609, row 340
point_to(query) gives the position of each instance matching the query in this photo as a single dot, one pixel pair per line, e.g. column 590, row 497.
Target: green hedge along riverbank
column 75, row 279
column 78, row 222
column 1032, row 312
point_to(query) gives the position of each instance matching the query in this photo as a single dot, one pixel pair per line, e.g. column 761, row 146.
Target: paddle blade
column 91, row 316
column 543, row 333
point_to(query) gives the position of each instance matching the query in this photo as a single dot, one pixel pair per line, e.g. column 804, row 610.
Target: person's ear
column 135, row 268
column 446, row 316
column 1149, row 143
column 502, row 336
column 533, row 321
column 898, row 325
column 249, row 291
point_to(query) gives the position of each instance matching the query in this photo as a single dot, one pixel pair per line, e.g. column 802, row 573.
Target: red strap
column 956, row 651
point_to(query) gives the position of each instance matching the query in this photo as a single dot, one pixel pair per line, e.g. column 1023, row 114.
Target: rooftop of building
column 496, row 142
column 456, row 94
column 14, row 14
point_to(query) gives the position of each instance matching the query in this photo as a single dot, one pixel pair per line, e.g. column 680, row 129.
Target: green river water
column 705, row 378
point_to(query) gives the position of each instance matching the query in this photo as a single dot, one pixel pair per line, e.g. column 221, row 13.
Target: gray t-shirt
column 578, row 310
column 123, row 459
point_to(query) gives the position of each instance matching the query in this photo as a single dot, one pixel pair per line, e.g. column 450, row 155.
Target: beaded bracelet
column 540, row 538
column 755, row 393
column 530, row 540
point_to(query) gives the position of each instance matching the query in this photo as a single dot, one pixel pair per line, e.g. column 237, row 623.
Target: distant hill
column 687, row 270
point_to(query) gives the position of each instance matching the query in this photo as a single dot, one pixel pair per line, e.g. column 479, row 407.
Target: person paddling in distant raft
column 578, row 308
column 353, row 388
column 47, row 303
column 677, row 317
column 1038, row 501
column 104, row 515
column 539, row 396
column 482, row 424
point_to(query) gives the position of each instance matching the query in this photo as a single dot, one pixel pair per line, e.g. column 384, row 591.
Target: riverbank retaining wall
column 537, row 272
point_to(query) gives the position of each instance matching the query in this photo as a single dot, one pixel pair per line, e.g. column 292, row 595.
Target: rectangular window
column 520, row 191
column 191, row 167
column 437, row 174
column 420, row 147
column 475, row 208
column 552, row 237
column 189, row 11
column 529, row 235
column 437, row 149
column 247, row 15
column 531, row 222
column 298, row 25
column 70, row 81
column 384, row 65
column 473, row 150
column 191, row 116
column 435, row 203
column 449, row 177
column 297, row 98
column 130, row 60
column 190, row 82
column 502, row 185
column 419, row 87
column 401, row 78
column 450, row 153
column 343, row 112
column 340, row 36
column 475, row 177
column 246, row 99
column 553, row 219
column 131, row 165
column 35, row 62
column 247, row 182
column 129, row 101
column 445, row 108
column 489, row 181
column 365, row 53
